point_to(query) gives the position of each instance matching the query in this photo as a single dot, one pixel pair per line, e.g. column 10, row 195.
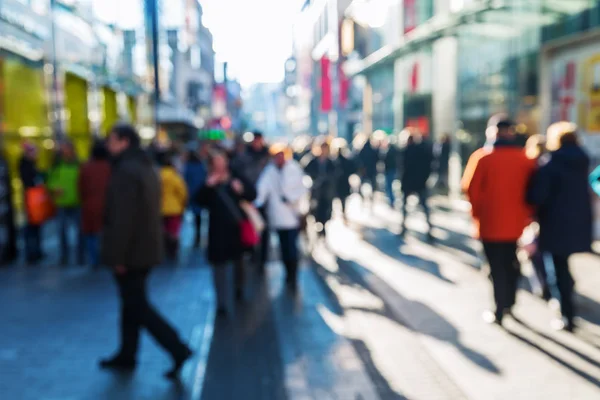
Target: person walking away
column 221, row 195
column 281, row 187
column 443, row 161
column 8, row 230
column 174, row 201
column 131, row 245
column 346, row 167
column 497, row 193
column 369, row 158
column 195, row 175
column 30, row 178
column 63, row 180
column 93, row 186
column 535, row 149
column 417, row 159
column 322, row 170
column 391, row 161
column 561, row 193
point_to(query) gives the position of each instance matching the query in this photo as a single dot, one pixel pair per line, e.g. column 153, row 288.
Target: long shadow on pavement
column 244, row 360
column 429, row 322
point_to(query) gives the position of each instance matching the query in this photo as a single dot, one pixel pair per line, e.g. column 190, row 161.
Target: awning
column 175, row 114
column 498, row 19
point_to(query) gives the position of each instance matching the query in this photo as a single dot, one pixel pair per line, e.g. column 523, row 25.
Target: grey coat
column 132, row 235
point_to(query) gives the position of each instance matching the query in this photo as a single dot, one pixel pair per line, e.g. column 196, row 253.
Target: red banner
column 344, row 86
column 326, row 92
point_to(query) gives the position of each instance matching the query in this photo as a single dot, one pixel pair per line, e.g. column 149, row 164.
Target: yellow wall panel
column 110, row 110
column 76, row 102
column 132, row 108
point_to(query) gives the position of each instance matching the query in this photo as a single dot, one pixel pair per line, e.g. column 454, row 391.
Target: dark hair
column 163, row 158
column 258, row 134
column 99, row 151
column 127, row 132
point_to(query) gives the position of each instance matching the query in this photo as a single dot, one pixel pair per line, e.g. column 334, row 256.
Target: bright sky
column 253, row 36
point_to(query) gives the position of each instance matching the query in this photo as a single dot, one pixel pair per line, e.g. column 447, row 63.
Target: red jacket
column 93, row 184
column 497, row 191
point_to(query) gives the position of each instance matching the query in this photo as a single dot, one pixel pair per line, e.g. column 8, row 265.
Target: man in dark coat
column 561, row 191
column 322, row 170
column 369, row 158
column 8, row 234
column 443, row 161
column 346, row 167
column 417, row 161
column 132, row 244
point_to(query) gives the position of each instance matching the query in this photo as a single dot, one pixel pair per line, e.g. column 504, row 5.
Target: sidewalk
column 438, row 293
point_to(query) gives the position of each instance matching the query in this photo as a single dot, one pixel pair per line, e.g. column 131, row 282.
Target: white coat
column 282, row 190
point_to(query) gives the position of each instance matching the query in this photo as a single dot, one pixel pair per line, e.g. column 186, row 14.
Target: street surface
column 378, row 317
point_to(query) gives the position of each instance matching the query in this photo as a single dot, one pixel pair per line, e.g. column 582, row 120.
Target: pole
column 57, row 120
column 152, row 9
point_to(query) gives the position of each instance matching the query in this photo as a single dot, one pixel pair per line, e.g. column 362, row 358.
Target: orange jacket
column 497, row 189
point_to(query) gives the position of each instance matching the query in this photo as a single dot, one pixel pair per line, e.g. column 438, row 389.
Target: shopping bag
column 248, row 235
column 254, row 216
column 39, row 206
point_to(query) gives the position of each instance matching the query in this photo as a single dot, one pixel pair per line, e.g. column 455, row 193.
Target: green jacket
column 63, row 181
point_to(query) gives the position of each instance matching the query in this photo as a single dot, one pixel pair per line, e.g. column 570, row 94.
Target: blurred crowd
column 125, row 207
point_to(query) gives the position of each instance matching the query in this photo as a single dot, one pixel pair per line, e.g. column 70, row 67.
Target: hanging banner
column 326, row 92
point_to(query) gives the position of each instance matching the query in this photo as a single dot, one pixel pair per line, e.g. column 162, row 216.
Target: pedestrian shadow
column 244, row 360
column 391, row 246
column 416, row 316
column 591, row 379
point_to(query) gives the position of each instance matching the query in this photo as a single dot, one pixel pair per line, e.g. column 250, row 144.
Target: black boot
column 118, row 363
column 179, row 362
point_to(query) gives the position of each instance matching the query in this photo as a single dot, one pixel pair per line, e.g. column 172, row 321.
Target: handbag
column 249, row 236
column 39, row 206
column 253, row 215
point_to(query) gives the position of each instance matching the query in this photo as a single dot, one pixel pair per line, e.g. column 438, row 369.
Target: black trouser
column 198, row 228
column 563, row 282
column 33, row 242
column 423, row 197
column 505, row 270
column 138, row 313
column 288, row 244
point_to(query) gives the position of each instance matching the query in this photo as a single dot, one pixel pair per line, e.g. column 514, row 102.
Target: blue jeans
column 390, row 177
column 92, row 243
column 70, row 218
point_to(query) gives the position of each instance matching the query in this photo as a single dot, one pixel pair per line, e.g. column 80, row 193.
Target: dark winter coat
column 417, row 160
column 132, row 235
column 94, row 178
column 323, row 190
column 29, row 174
column 369, row 158
column 562, row 194
column 224, row 238
column 391, row 160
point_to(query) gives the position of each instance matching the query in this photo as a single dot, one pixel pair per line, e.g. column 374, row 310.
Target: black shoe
column 491, row 317
column 118, row 363
column 174, row 372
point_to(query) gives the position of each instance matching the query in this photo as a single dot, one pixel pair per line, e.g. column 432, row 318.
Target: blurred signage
column 326, row 92
column 18, row 42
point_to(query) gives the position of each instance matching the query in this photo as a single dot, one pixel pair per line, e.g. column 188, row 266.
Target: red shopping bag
column 38, row 205
column 248, row 235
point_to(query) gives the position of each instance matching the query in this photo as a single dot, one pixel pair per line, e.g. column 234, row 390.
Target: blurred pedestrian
column 417, row 160
column 368, row 158
column 221, row 195
column 8, row 230
column 561, row 193
column 391, row 159
column 63, row 180
column 322, row 170
column 346, row 167
column 132, row 244
column 281, row 188
column 93, row 186
column 195, row 175
column 31, row 178
column 442, row 157
column 497, row 191
column 535, row 149
column 174, row 202
column 258, row 153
